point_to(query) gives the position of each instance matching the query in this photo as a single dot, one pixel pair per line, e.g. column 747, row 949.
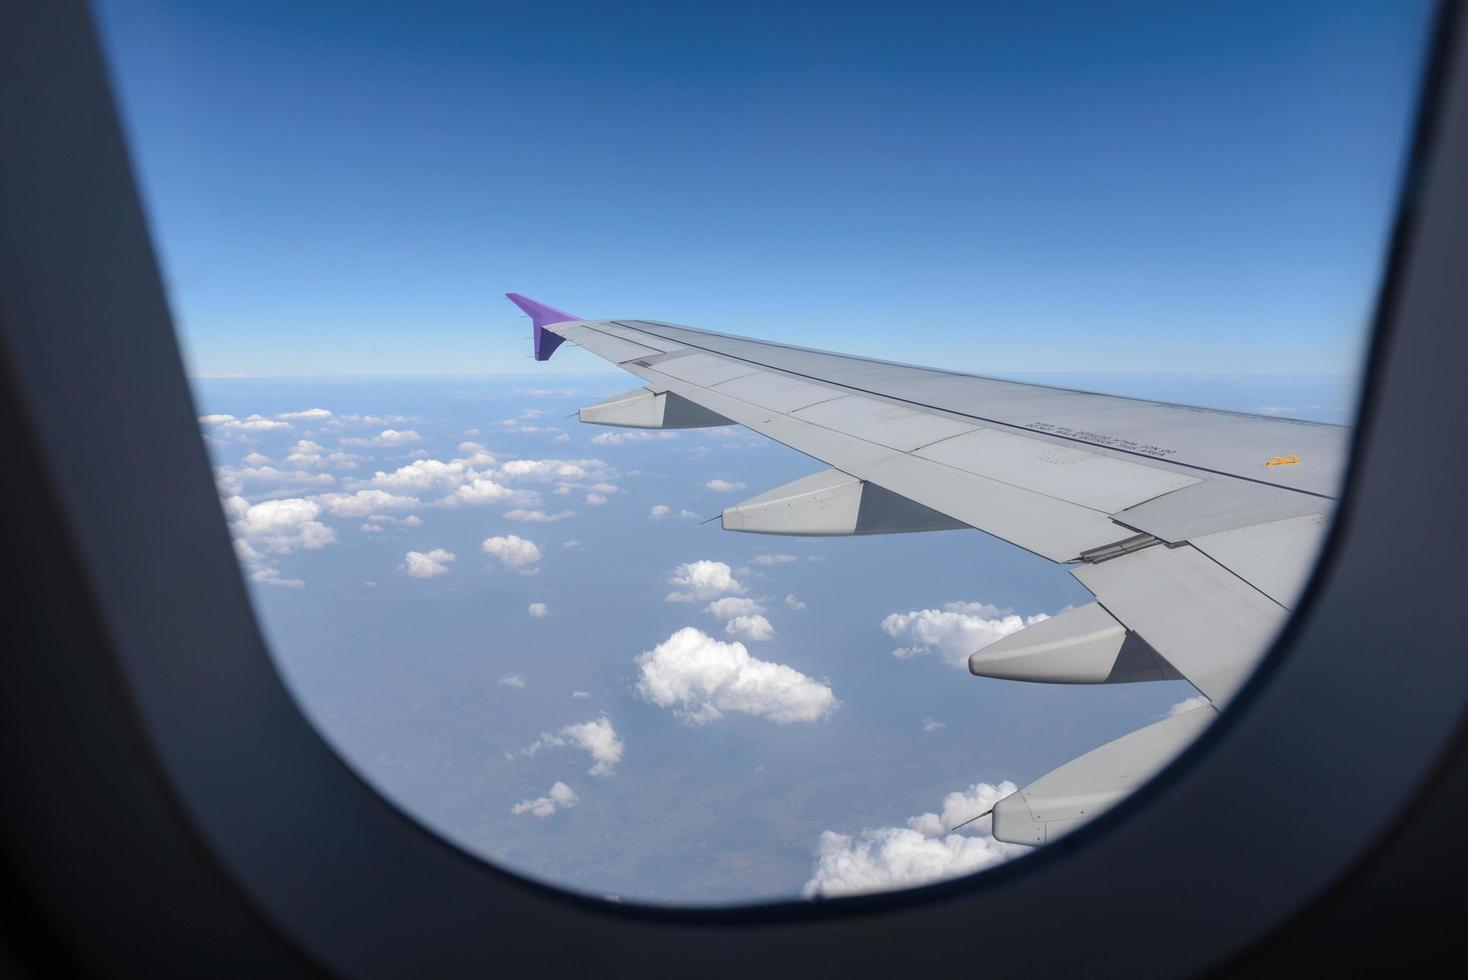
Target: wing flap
column 1067, row 797
column 1211, row 625
column 1276, row 558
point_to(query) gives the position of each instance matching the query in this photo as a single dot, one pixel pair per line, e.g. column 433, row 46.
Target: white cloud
column 793, row 601
column 512, row 679
column 581, row 695
column 596, row 737
column 933, row 725
column 618, row 438
column 1187, row 704
column 251, row 425
column 924, row 851
column 538, row 610
column 255, row 459
column 768, row 560
column 659, row 511
column 754, row 628
column 427, row 565
column 364, row 503
column 232, row 478
column 423, row 475
column 687, row 515
column 702, row 580
column 512, row 550
column 486, row 491
column 955, row 631
column 270, row 575
column 546, row 470
column 309, row 415
column 394, row 437
column 702, row 679
column 723, row 486
column 537, row 516
column 731, row 606
column 278, row 526
column 560, row 797
column 595, row 499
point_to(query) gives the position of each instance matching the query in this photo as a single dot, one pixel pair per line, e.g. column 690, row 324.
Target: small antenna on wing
column 971, row 820
column 710, row 520
column 573, row 415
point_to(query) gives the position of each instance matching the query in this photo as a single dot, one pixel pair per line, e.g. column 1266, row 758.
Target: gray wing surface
column 1195, row 529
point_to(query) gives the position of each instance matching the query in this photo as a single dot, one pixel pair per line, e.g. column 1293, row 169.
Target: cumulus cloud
column 309, row 415
column 483, row 490
column 394, row 437
column 931, row 725
column 793, row 601
column 955, row 631
column 1186, row 705
column 512, row 679
column 659, row 511
column 596, row 737
column 581, row 695
column 731, row 606
column 595, row 499
column 232, row 479
column 702, row 580
column 547, row 470
column 270, row 575
column 768, row 560
column 364, row 503
column 226, row 425
column 924, row 851
column 513, row 551
column 702, row 679
column 618, row 438
column 427, row 564
column 537, row 516
column 278, row 526
column 723, row 486
column 559, row 797
column 424, row 475
column 538, row 610
column 754, row 628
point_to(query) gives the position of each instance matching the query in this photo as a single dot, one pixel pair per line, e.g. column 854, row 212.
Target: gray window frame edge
column 140, row 671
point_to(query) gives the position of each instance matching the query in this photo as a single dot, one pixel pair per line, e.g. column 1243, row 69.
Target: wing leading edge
column 1195, row 529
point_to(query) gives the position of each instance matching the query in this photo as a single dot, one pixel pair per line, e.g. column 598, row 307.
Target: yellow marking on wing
column 1289, row 460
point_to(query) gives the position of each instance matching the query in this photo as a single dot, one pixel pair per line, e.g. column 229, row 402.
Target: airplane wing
column 1194, row 528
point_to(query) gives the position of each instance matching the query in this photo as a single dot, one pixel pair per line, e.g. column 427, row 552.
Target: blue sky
column 470, row 594
column 348, row 188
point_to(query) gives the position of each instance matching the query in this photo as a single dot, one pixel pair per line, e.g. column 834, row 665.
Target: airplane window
column 955, row 401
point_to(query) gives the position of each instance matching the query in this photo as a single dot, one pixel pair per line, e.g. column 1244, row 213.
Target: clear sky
column 349, row 188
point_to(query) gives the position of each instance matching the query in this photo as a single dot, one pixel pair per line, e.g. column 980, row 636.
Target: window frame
column 209, row 819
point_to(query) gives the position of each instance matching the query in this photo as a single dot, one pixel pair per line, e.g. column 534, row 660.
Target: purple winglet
column 541, row 315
